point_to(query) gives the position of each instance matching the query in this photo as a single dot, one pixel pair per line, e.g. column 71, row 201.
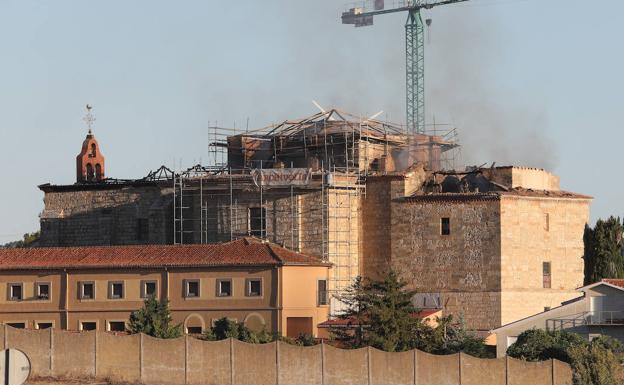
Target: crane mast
column 362, row 16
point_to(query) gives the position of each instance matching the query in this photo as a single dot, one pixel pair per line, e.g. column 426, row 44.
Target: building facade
column 478, row 239
column 84, row 288
column 598, row 311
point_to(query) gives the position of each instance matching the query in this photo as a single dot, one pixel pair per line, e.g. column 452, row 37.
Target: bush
column 224, row 328
column 593, row 363
column 154, row 319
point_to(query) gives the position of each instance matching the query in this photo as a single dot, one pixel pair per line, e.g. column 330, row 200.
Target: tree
column 154, row 319
column 593, row 363
column 28, row 240
column 381, row 314
column 224, row 328
column 604, row 251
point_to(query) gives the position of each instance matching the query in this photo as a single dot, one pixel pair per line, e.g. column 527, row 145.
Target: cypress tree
column 604, row 254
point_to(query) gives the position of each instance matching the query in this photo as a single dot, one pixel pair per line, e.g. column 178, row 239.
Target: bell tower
column 90, row 161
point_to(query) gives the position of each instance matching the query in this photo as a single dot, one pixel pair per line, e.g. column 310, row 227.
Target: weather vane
column 89, row 118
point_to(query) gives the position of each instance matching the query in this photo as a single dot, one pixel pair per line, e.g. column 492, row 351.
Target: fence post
column 322, row 363
column 51, row 329
column 506, row 370
column 95, row 355
column 6, row 336
column 277, row 362
column 186, row 359
column 141, row 357
column 368, row 362
column 415, row 367
column 552, row 369
column 231, row 361
column 459, row 360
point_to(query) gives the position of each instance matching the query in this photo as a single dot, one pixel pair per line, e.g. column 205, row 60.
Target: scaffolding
column 222, row 201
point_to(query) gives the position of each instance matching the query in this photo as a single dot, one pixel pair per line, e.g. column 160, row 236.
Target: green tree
column 593, row 363
column 224, row 328
column 382, row 315
column 154, row 319
column 381, row 312
column 604, row 251
column 28, row 240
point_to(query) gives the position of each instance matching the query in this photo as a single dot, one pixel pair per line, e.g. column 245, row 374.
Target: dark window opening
column 90, row 173
column 322, row 292
column 257, row 221
column 93, row 150
column 142, row 229
column 15, row 292
column 445, row 226
column 224, row 287
column 44, row 325
column 17, row 325
column 116, row 290
column 192, row 288
column 86, row 326
column 43, row 290
column 87, row 290
column 194, row 330
column 546, row 275
column 149, row 289
column 98, row 172
column 117, row 326
column 254, row 287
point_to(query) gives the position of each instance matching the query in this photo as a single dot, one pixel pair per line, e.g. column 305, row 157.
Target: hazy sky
column 527, row 82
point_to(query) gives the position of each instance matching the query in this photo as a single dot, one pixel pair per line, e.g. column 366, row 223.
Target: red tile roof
column 346, row 322
column 614, row 282
column 242, row 252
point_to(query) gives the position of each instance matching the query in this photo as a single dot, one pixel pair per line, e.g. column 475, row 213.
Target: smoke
column 469, row 84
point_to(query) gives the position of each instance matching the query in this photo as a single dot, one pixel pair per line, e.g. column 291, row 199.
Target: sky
column 525, row 82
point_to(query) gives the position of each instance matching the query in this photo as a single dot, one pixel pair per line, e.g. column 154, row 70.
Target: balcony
column 588, row 318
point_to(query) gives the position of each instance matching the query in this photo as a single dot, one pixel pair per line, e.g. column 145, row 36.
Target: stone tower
column 90, row 161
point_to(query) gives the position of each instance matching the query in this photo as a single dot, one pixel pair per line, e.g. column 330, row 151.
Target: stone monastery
column 492, row 244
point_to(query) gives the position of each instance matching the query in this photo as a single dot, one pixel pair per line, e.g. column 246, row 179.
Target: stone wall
column 142, row 359
column 111, row 215
column 464, row 266
column 534, row 231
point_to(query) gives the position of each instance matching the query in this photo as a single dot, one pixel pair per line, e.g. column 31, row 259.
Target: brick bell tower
column 90, row 161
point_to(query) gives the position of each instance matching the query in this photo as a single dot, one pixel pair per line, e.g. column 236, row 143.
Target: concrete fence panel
column 562, row 373
column 119, row 357
column 391, row 368
column 345, row 367
column 37, row 344
column 73, row 354
column 209, row 363
column 163, row 361
column 476, row 371
column 528, row 373
column 299, row 365
column 437, row 370
column 254, row 364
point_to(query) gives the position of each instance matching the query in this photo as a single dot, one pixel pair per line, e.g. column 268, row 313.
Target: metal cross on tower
column 362, row 16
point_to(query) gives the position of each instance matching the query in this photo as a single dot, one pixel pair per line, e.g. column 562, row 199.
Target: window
column 116, row 326
column 43, row 325
column 194, row 330
column 90, row 172
column 98, row 172
column 257, row 221
column 87, row 290
column 191, row 288
column 92, row 154
column 116, row 290
column 224, row 287
column 547, row 222
column 15, row 292
column 253, row 287
column 148, row 289
column 88, row 325
column 546, row 277
column 142, row 229
column 322, row 292
column 17, row 325
column 445, row 226
column 42, row 290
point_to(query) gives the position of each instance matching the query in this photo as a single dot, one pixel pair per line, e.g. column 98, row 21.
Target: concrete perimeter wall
column 186, row 360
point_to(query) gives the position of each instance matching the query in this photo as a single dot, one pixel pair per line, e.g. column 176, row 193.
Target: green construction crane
column 362, row 16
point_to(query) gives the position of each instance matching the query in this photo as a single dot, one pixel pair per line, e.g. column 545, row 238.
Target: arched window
column 93, row 148
column 98, row 172
column 89, row 172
